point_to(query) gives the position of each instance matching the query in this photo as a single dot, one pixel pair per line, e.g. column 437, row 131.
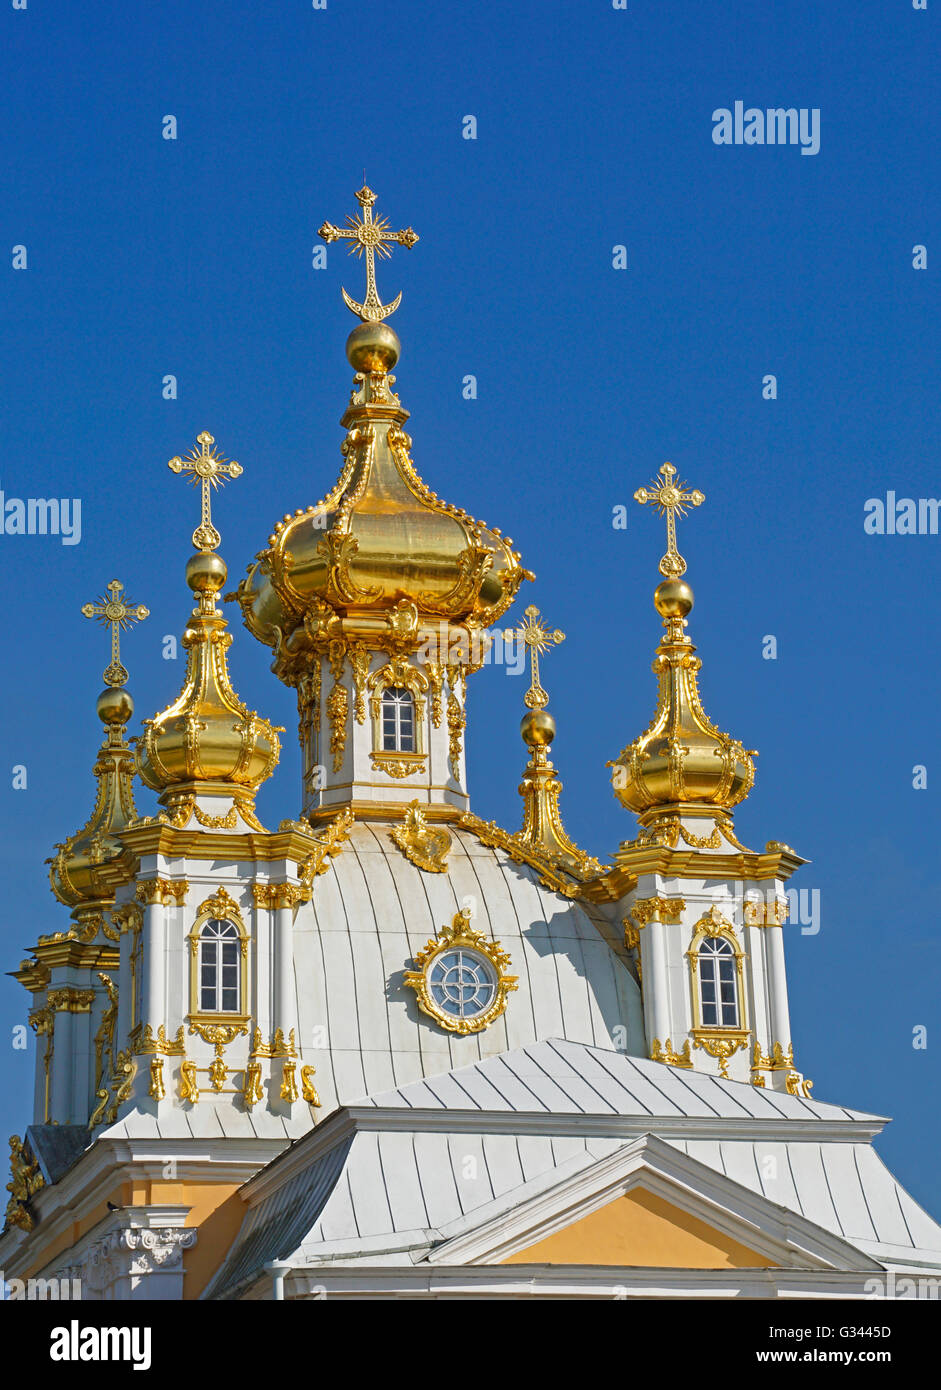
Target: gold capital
column 370, row 237
column 120, row 615
column 672, row 499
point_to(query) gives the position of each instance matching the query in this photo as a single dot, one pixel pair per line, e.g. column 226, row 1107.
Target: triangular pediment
column 641, row 1227
column 649, row 1205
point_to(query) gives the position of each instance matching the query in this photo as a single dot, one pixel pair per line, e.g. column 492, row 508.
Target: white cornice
column 397, row 1120
column 567, row 1282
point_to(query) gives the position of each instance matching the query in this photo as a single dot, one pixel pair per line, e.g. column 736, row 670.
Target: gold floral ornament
column 370, row 237
column 209, row 470
column 670, row 499
column 427, row 846
column 92, row 863
column 462, row 981
column 26, row 1179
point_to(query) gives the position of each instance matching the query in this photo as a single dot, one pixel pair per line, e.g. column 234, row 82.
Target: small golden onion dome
column 88, row 866
column 682, row 760
column 381, row 544
column 207, row 737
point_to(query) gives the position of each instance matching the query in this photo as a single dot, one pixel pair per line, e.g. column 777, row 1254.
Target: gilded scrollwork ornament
column 426, row 846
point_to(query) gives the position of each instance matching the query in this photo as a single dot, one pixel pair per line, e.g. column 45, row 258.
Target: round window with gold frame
column 462, row 981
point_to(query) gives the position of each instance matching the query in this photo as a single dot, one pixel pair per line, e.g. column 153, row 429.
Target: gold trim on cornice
column 632, row 864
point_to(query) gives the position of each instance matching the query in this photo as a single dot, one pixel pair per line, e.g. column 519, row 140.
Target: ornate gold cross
column 671, row 498
column 538, row 638
column 210, row 470
column 370, row 238
column 119, row 614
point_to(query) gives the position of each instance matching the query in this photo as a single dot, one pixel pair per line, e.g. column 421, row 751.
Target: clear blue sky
column 193, row 257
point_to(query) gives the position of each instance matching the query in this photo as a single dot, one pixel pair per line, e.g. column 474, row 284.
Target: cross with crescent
column 670, row 498
column 538, row 638
column 371, row 238
column 210, row 470
column 120, row 614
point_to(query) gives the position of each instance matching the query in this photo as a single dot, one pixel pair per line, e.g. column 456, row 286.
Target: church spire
column 682, row 765
column 207, row 754
column 375, row 599
column 88, row 866
column 542, row 829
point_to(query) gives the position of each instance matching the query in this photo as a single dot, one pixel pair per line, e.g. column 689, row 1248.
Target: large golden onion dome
column 681, row 764
column 381, row 544
column 207, row 743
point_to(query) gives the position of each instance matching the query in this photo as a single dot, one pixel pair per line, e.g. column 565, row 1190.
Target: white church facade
column 389, row 1048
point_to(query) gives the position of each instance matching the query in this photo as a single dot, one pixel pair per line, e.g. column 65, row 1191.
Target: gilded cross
column 538, row 638
column 120, row 614
column 671, row 498
column 210, row 470
column 370, row 237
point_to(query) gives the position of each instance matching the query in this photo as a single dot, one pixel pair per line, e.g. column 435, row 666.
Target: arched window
column 219, row 952
column 398, row 720
column 718, row 987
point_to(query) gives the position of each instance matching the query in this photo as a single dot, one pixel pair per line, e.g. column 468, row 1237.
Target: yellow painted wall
column 215, row 1208
column 641, row 1228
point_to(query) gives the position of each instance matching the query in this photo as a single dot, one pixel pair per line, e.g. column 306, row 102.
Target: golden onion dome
column 380, row 539
column 207, row 741
column 682, row 760
column 381, row 553
column 87, row 867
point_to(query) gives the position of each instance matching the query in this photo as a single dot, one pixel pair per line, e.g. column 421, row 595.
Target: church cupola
column 377, row 599
column 207, row 753
column 91, row 863
column 682, row 766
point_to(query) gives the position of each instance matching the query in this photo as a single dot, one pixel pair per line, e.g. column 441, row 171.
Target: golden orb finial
column 373, row 347
column 673, row 598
